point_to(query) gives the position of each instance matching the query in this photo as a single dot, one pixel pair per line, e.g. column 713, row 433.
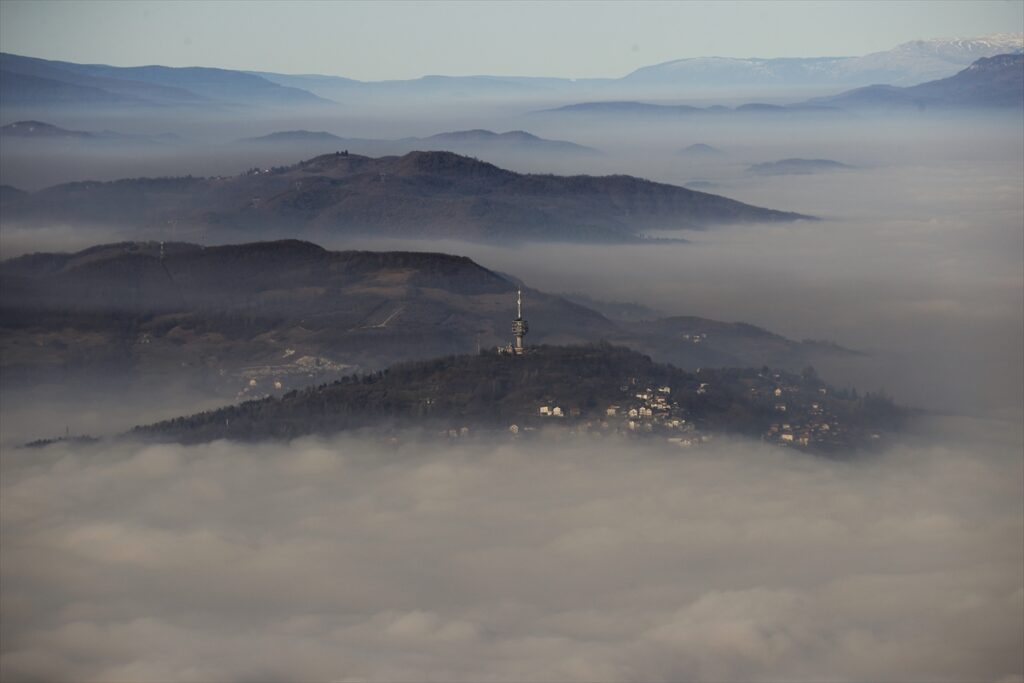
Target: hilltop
column 40, row 129
column 798, row 167
column 418, row 195
column 33, row 136
column 700, row 150
column 598, row 389
column 513, row 140
column 515, row 146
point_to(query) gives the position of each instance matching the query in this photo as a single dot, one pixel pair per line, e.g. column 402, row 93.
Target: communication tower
column 519, row 329
column 519, row 326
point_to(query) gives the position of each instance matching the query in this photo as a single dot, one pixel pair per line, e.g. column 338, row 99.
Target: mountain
column 622, row 311
column 437, row 88
column 25, row 89
column 31, row 135
column 798, row 167
column 29, row 81
column 10, row 194
column 633, row 109
column 32, row 81
column 627, row 108
column 597, row 389
column 906, row 64
column 700, row 150
column 288, row 136
column 722, row 344
column 419, row 195
column 485, row 140
column 39, row 130
column 990, row 82
column 477, row 141
column 220, row 318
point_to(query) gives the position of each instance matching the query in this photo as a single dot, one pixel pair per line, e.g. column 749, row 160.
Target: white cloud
column 344, row 560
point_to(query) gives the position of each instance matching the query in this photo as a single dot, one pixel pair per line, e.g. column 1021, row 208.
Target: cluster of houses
column 803, row 416
column 647, row 410
column 794, row 413
column 262, row 380
column 809, row 423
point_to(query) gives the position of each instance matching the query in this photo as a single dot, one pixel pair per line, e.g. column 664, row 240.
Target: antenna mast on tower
column 519, row 326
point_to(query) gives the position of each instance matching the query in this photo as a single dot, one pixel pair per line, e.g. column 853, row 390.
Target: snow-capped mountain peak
column 906, row 64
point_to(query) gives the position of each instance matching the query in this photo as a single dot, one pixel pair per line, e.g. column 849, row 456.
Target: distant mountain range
column 649, row 110
column 906, row 64
column 514, row 140
column 798, row 167
column 28, row 81
column 419, row 195
column 512, row 144
column 463, row 142
column 990, row 82
column 237, row 319
column 40, row 131
column 291, row 136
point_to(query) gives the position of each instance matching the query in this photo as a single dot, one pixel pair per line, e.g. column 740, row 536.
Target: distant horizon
column 495, row 75
column 408, row 41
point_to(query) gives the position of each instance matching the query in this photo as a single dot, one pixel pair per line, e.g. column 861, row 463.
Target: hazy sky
column 387, row 40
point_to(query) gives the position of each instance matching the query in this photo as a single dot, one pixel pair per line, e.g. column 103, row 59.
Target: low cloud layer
column 918, row 260
column 346, row 560
column 918, row 265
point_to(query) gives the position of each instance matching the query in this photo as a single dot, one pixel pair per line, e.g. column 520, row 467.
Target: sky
column 395, row 40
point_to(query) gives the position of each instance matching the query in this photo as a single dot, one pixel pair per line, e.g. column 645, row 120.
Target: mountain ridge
column 478, row 140
column 28, row 80
column 906, row 64
column 35, row 81
column 798, row 166
column 420, row 194
column 990, row 82
column 219, row 316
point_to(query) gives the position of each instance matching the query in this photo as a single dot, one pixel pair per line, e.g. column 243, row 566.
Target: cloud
column 534, row 561
column 348, row 560
column 917, row 263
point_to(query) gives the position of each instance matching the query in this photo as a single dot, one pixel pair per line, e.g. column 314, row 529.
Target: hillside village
column 802, row 417
column 592, row 389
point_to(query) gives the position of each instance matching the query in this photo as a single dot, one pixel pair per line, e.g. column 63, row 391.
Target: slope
column 419, row 195
column 989, row 83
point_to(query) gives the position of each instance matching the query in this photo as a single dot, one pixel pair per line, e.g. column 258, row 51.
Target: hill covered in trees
column 595, row 388
column 243, row 319
column 418, row 195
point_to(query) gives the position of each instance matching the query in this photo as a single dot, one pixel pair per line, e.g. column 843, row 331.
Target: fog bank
column 344, row 560
column 919, row 265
